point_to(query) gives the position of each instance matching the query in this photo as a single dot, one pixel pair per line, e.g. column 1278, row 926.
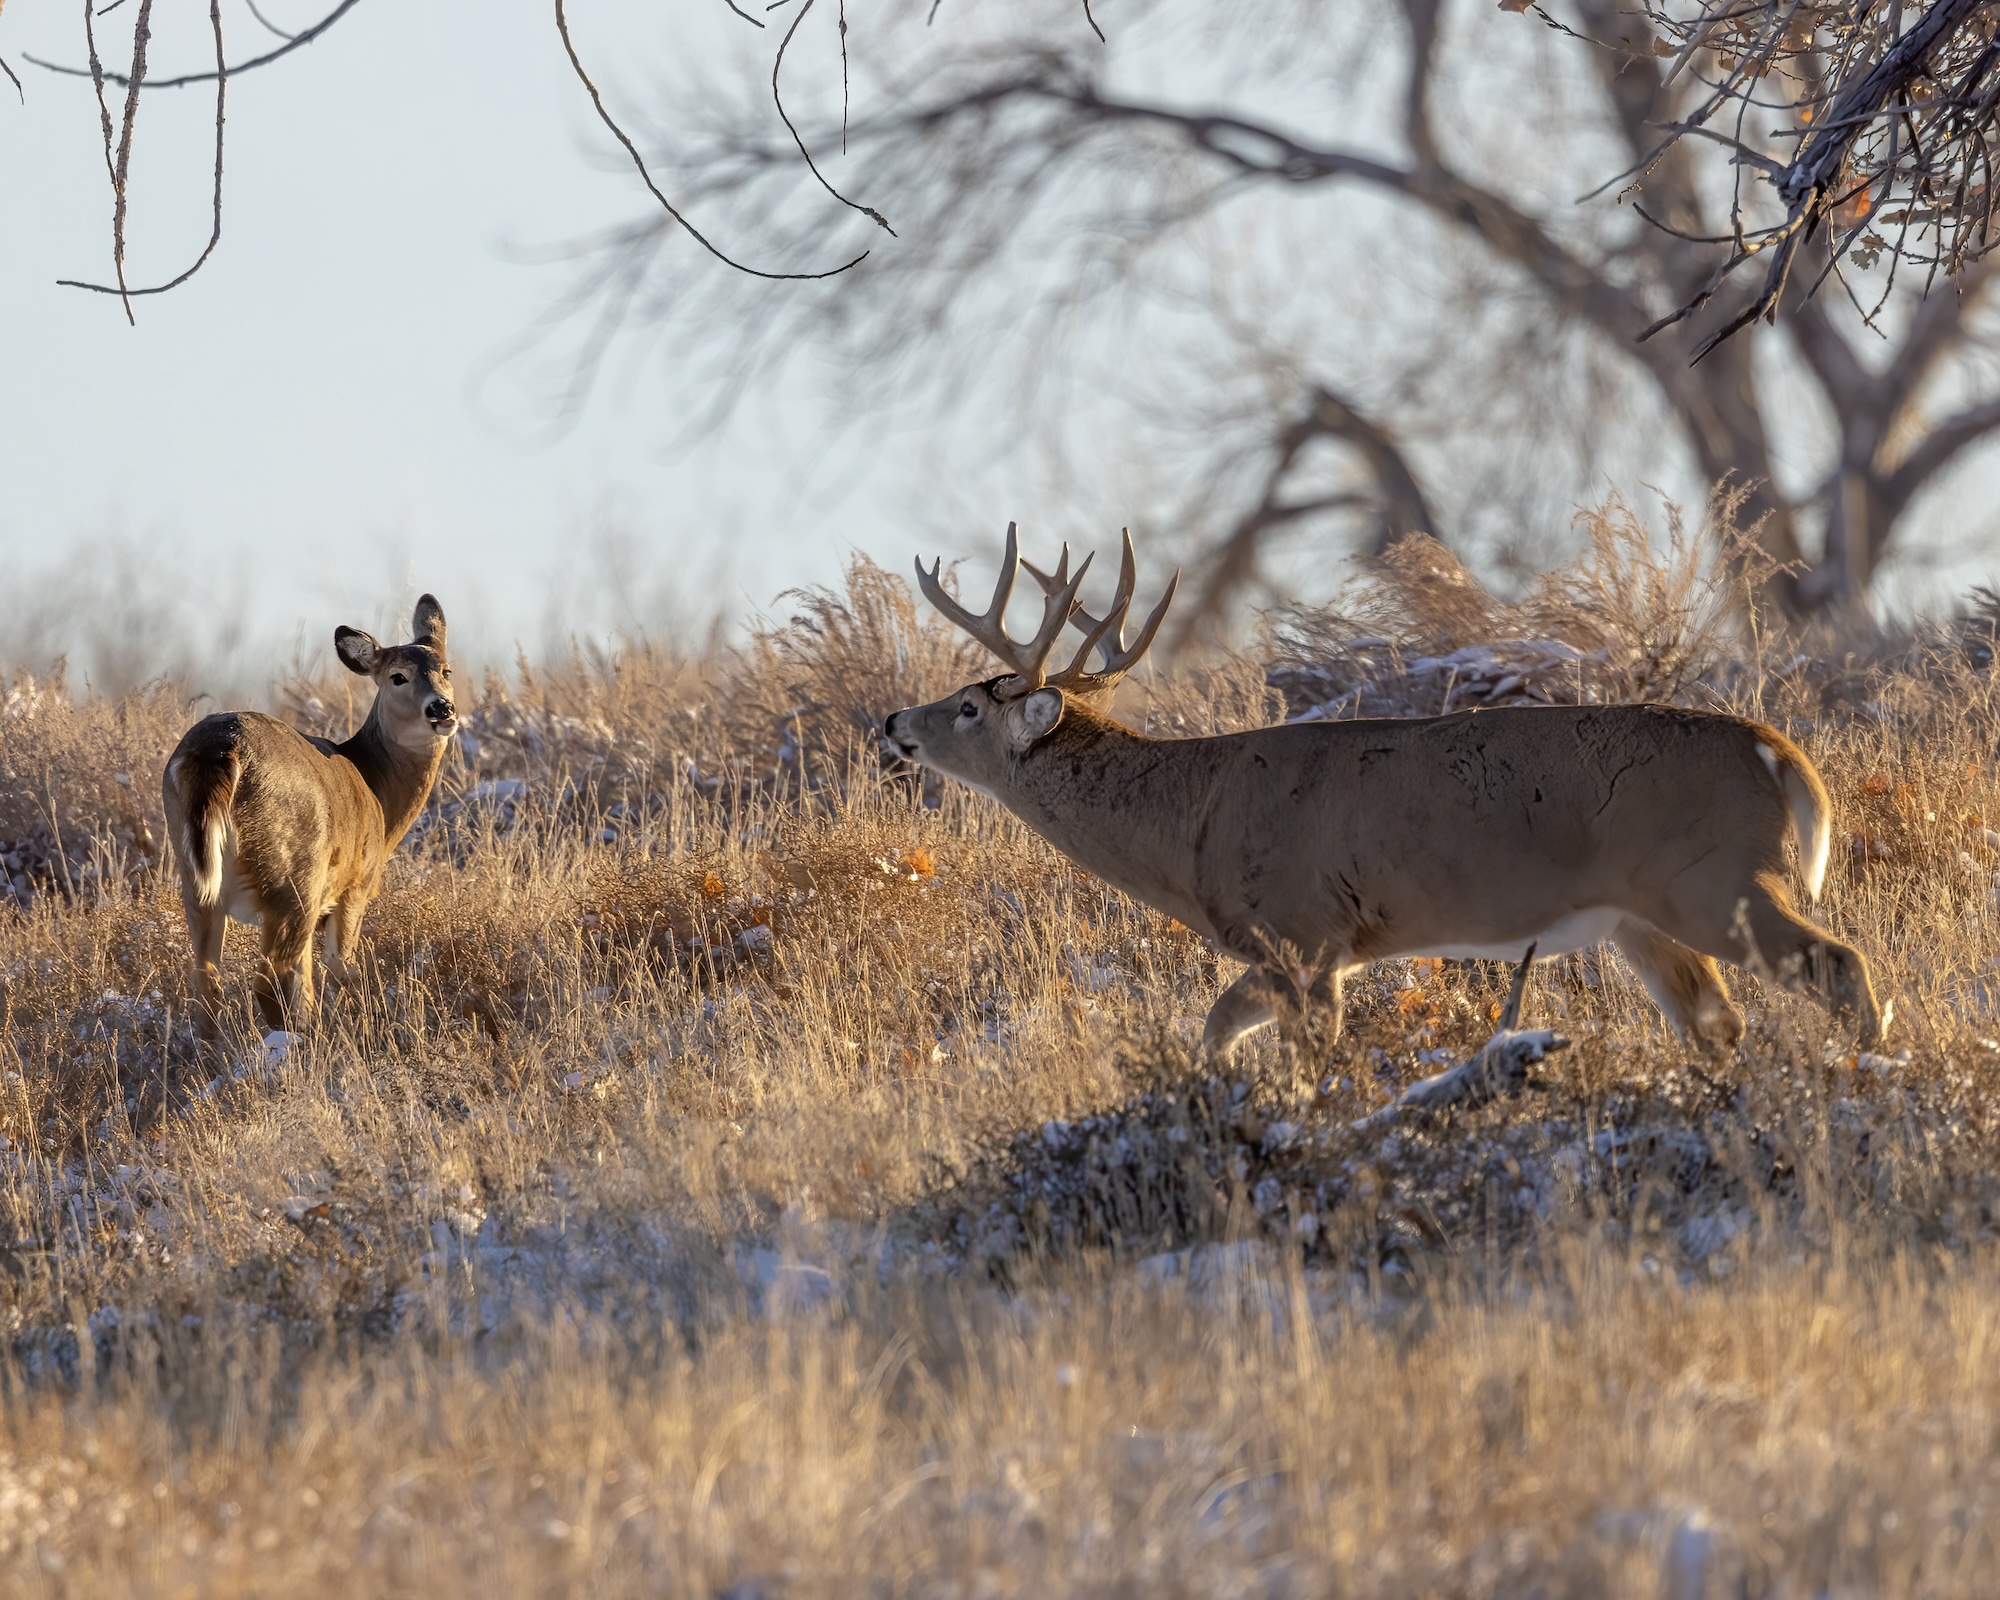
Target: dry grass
column 749, row 1179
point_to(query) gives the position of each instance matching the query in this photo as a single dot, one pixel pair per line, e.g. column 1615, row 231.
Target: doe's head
column 977, row 734
column 413, row 693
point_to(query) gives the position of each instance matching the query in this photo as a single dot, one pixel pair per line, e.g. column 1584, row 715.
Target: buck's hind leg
column 1796, row 952
column 1684, row 983
column 284, row 975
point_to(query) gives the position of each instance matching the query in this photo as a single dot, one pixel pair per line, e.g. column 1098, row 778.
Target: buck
column 1308, row 850
column 290, row 833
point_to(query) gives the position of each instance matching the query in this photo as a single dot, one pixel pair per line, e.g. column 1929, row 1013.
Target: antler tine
column 1055, row 617
column 1119, row 657
column 1027, row 661
column 1121, row 661
column 990, row 629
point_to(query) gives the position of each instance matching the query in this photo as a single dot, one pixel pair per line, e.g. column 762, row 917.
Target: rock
column 1500, row 1067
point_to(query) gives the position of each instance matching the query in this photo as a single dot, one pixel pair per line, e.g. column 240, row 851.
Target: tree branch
column 1848, row 384
column 1399, row 501
column 1422, row 18
column 215, row 228
column 646, row 176
column 1938, row 448
column 296, row 42
column 1261, row 151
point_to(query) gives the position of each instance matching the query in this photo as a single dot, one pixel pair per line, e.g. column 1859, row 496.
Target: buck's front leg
column 1264, row 994
column 1245, row 1006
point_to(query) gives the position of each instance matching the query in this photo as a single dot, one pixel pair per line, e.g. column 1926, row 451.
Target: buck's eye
column 967, row 709
column 398, row 678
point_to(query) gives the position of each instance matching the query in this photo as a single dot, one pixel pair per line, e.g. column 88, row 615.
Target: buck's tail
column 1805, row 795
column 207, row 785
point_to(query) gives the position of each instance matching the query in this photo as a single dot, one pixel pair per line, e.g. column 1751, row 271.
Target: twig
column 755, row 22
column 777, row 99
column 267, row 22
column 114, row 164
column 215, row 229
column 639, row 161
column 297, row 42
column 142, row 33
column 1094, row 28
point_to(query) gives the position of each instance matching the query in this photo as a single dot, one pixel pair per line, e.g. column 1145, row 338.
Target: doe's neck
column 399, row 777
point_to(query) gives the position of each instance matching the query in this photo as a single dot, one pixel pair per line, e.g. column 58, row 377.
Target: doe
column 290, row 833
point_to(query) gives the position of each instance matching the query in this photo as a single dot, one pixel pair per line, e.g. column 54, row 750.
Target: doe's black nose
column 438, row 711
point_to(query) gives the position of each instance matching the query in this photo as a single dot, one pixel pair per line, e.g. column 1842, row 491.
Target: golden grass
column 743, row 1178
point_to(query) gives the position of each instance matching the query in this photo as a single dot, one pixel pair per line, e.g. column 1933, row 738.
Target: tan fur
column 292, row 833
column 1329, row 845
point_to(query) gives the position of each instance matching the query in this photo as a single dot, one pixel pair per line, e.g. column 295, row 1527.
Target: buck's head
column 413, row 698
column 981, row 733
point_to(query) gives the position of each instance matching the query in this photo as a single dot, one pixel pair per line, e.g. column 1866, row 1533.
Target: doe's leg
column 340, row 937
column 284, row 975
column 205, row 927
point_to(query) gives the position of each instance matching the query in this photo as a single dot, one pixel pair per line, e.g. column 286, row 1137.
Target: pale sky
column 315, row 424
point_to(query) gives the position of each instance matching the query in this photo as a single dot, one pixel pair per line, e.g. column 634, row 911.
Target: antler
column 1027, row 661
column 1119, row 657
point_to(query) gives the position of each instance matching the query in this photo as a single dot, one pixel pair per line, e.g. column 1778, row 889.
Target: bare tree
column 1034, row 141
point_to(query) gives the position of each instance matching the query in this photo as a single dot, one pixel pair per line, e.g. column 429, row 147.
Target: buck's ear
column 427, row 623
column 358, row 652
column 1034, row 716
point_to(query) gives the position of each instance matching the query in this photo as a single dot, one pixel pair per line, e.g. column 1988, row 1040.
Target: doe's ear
column 427, row 623
column 358, row 651
column 1034, row 716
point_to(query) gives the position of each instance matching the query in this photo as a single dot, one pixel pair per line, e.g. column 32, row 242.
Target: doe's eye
column 397, row 678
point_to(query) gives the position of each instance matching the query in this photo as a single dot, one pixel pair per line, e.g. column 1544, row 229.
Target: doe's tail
column 1805, row 795
column 207, row 786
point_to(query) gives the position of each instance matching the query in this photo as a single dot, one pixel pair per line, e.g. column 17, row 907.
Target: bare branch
column 269, row 25
column 639, row 161
column 1400, row 505
column 215, row 229
column 298, row 41
column 1903, row 111
column 1421, row 17
column 1937, row 449
column 777, row 99
column 1259, row 150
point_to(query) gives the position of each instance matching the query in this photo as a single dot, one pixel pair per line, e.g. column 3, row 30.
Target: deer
column 1308, row 850
column 290, row 833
